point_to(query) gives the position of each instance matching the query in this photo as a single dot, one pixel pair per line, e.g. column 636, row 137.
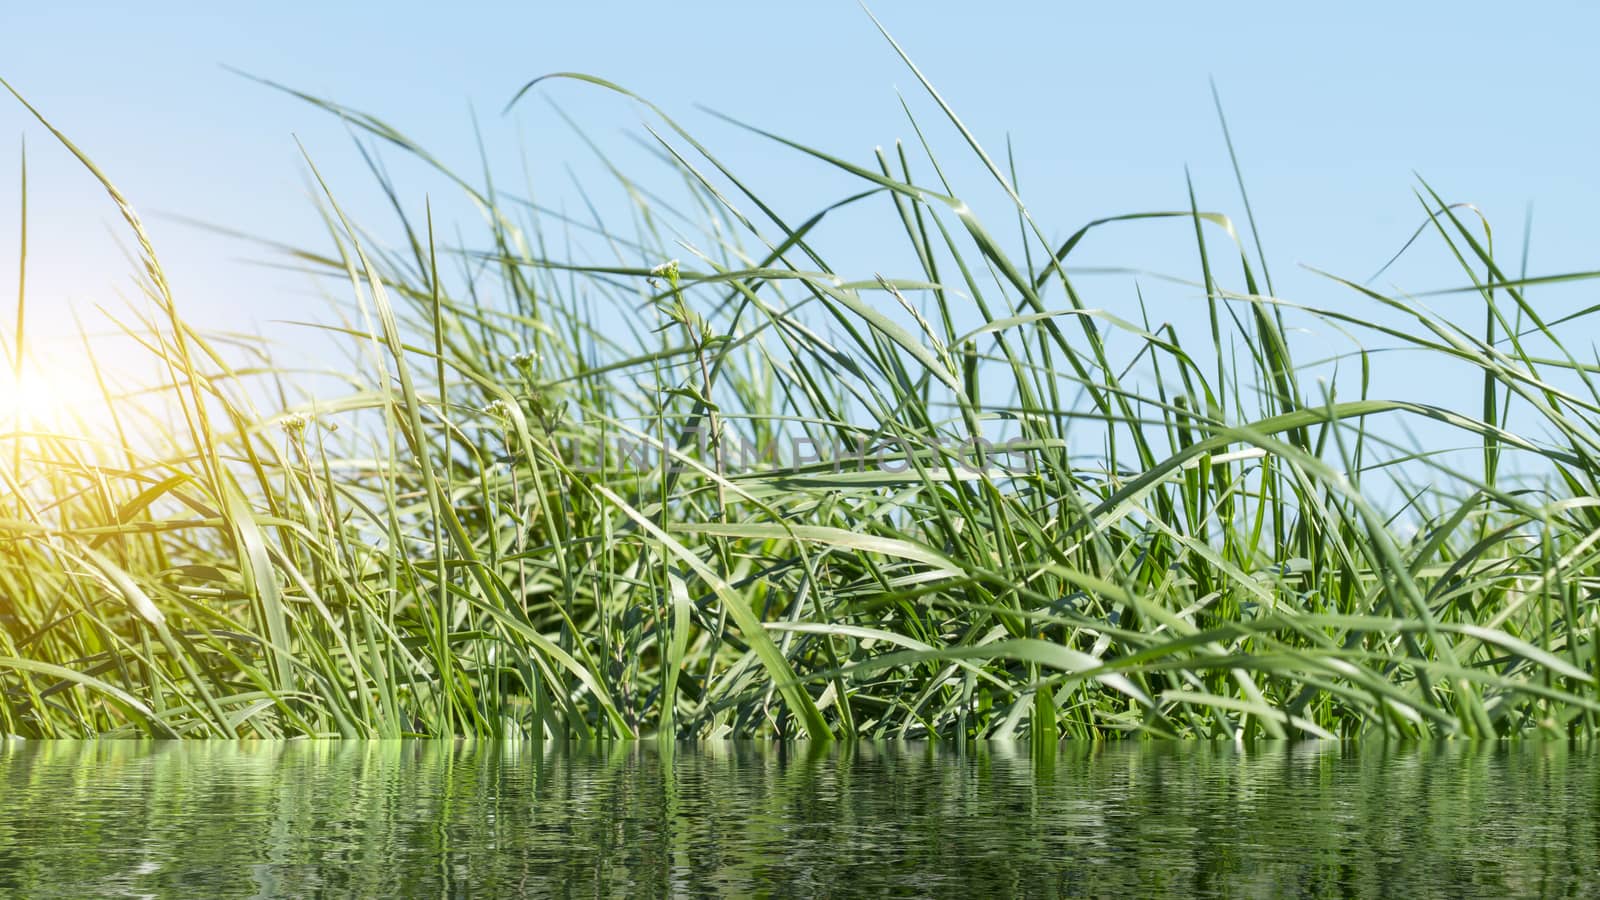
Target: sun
column 80, row 394
column 27, row 402
column 37, row 402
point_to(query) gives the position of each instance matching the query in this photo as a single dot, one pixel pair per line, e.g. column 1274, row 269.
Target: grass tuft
column 743, row 493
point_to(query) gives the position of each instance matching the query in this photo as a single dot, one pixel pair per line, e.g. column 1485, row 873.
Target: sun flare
column 35, row 401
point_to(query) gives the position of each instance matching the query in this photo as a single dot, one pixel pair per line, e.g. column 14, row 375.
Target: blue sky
column 1333, row 108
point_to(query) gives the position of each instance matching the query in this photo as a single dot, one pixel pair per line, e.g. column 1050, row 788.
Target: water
column 462, row 819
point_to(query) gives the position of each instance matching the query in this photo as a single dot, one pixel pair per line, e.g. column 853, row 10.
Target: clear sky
column 1333, row 107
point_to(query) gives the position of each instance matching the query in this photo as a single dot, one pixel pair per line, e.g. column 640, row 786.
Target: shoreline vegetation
column 465, row 544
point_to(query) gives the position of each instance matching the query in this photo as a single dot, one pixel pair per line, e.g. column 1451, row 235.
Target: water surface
column 464, row 819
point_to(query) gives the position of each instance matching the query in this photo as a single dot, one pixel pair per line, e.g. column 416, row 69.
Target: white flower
column 669, row 267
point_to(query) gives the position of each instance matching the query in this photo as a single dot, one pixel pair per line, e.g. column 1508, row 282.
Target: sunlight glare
column 34, row 402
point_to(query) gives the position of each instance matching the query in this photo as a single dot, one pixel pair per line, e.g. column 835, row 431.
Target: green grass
column 525, row 518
